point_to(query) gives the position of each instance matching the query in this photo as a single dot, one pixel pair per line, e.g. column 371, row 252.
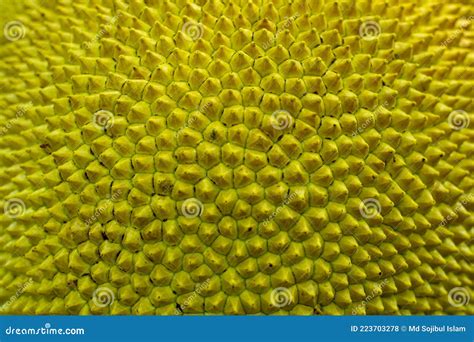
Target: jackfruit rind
column 236, row 157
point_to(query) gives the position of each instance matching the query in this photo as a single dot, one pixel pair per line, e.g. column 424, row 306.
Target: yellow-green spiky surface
column 236, row 157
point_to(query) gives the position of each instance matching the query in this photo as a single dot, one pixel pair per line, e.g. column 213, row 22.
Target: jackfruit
column 236, row 157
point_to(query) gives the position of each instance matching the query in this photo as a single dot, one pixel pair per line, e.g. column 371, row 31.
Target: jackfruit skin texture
column 193, row 87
